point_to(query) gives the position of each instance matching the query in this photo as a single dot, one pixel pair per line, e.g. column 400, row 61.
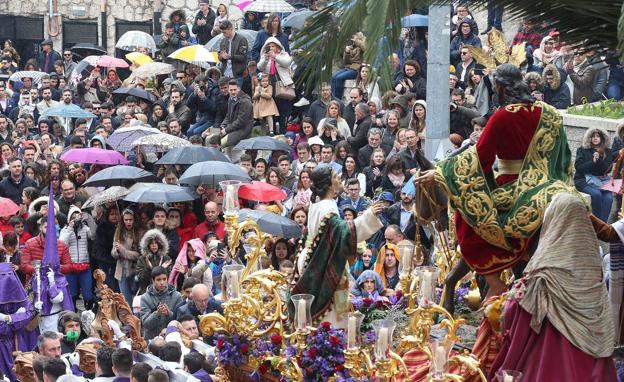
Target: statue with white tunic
column 322, row 266
column 50, row 287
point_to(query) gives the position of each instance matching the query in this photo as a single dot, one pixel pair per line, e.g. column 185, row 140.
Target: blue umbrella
column 67, row 111
column 296, row 19
column 415, row 20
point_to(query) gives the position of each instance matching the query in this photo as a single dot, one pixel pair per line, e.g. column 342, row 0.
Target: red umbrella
column 261, row 192
column 111, row 62
column 8, row 207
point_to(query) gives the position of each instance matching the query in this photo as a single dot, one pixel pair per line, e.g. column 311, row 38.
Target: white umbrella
column 132, row 40
column 111, row 194
column 122, row 138
column 160, row 142
column 153, row 69
column 279, row 6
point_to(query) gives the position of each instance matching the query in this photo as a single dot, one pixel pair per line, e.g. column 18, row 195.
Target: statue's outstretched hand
column 425, row 178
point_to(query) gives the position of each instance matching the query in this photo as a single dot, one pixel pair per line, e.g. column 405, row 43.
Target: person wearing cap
column 204, row 22
column 48, row 56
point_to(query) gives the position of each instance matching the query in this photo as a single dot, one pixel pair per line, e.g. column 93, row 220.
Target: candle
column 352, row 332
column 425, row 287
column 407, row 260
column 508, row 378
column 301, row 314
column 229, row 198
column 382, row 341
column 440, row 358
column 234, row 284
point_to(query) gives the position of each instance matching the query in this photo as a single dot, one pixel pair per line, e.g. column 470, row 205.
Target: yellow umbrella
column 196, row 54
column 138, row 58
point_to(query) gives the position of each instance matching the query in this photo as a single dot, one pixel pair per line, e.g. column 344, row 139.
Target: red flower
column 276, row 339
column 367, row 301
column 262, row 369
column 339, row 367
column 244, row 348
column 220, row 343
column 326, row 326
column 334, row 340
column 379, row 304
column 399, row 294
column 312, row 353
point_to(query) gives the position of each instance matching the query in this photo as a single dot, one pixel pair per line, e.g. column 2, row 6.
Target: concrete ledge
column 576, row 125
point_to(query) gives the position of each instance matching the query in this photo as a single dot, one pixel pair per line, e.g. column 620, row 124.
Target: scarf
column 564, row 280
column 182, row 259
column 397, row 180
column 381, row 259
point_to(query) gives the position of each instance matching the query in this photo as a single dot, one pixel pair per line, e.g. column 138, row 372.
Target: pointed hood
column 50, row 253
column 12, row 290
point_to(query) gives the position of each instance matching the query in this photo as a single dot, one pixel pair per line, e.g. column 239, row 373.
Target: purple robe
column 12, row 298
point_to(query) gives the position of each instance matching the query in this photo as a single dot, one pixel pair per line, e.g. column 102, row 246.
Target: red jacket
column 203, row 228
column 33, row 250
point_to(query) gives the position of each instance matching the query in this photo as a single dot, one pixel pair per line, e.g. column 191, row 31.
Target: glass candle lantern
column 439, row 355
column 407, row 256
column 353, row 329
column 428, row 278
column 230, row 196
column 383, row 331
column 303, row 316
column 232, row 274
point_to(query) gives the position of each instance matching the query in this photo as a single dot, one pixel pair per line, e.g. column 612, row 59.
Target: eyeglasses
column 96, row 108
column 464, row 53
column 67, row 54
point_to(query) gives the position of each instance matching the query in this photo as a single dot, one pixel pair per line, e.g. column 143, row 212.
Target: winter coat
column 128, row 259
column 419, row 85
column 151, row 320
column 147, row 261
column 353, row 55
column 559, row 94
column 103, row 246
column 238, row 121
column 263, row 102
column 33, row 250
column 10, row 189
column 261, row 38
column 203, row 31
column 584, row 164
column 202, row 107
column 77, row 242
column 189, row 309
column 318, row 109
column 202, row 271
column 470, row 39
column 168, row 44
column 583, row 79
column 360, row 133
column 372, row 182
column 282, row 62
column 599, row 85
column 239, row 46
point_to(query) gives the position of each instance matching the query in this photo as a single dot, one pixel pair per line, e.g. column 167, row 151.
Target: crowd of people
column 167, row 260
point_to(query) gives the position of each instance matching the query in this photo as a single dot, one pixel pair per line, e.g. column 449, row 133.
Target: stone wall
column 123, row 10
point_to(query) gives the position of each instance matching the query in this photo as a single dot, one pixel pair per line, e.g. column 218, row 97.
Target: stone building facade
column 100, row 22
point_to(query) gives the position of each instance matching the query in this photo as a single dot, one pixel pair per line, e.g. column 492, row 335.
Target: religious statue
column 322, row 268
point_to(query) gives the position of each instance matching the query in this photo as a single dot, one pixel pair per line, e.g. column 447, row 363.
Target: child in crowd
column 263, row 103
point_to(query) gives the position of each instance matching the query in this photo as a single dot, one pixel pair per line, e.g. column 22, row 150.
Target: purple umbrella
column 93, row 155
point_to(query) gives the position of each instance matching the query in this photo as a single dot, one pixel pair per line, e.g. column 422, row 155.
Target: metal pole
column 438, row 94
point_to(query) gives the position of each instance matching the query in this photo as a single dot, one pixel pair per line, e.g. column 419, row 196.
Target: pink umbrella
column 111, row 62
column 244, row 4
column 93, row 155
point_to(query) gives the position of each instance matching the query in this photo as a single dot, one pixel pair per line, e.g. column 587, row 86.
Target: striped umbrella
column 36, row 76
column 196, row 55
column 279, row 6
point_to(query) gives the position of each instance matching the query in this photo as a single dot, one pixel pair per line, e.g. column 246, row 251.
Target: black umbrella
column 192, row 154
column 85, row 49
column 210, row 173
column 159, row 193
column 136, row 92
column 121, row 175
column 271, row 223
column 262, row 143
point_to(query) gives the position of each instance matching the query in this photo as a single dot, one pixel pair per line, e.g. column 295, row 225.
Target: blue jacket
column 202, row 107
column 458, row 40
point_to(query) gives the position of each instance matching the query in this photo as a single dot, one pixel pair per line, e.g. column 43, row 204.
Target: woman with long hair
column 280, row 251
column 308, row 130
column 333, row 111
column 303, row 191
column 391, row 128
column 260, row 165
column 343, row 149
column 394, row 175
column 103, row 246
column 158, row 114
column 126, row 251
column 374, row 173
column 365, row 82
column 350, row 171
column 273, row 29
column 419, row 115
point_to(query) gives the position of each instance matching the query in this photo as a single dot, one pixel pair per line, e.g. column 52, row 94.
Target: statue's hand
column 425, row 178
